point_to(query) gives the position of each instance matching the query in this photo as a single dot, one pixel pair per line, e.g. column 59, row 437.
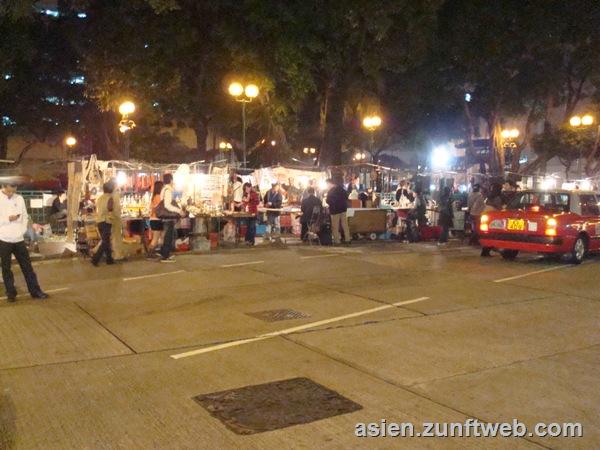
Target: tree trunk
column 3, row 144
column 201, row 131
column 470, row 151
column 331, row 152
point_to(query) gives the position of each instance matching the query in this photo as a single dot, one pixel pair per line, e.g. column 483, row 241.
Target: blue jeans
column 273, row 226
column 251, row 230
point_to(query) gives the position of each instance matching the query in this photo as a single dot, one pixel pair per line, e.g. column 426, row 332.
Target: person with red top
column 156, row 225
column 250, row 201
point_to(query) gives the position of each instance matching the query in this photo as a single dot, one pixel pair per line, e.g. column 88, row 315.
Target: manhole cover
column 274, row 315
column 271, row 406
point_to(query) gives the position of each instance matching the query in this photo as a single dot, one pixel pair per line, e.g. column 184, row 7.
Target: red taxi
column 551, row 222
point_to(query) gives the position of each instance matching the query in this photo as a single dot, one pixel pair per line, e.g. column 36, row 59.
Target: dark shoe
column 94, row 263
column 40, row 295
column 11, row 298
column 485, row 252
column 110, row 263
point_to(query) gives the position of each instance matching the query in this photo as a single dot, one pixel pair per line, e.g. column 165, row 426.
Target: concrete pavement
column 494, row 340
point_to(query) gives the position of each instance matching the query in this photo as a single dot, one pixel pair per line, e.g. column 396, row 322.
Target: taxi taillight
column 551, row 225
column 483, row 222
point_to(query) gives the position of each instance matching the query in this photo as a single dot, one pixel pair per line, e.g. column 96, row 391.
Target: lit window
column 7, row 76
column 7, row 121
column 53, row 99
column 79, row 79
column 52, row 12
column 82, row 15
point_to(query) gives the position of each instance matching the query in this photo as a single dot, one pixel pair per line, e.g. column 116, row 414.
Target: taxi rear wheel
column 579, row 250
column 509, row 254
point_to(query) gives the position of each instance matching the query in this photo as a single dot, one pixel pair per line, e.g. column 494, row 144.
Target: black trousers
column 168, row 238
column 304, row 231
column 19, row 249
column 105, row 230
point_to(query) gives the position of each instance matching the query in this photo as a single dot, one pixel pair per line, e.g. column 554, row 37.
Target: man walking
column 337, row 200
column 13, row 225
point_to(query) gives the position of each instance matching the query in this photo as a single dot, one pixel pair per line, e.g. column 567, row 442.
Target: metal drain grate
column 276, row 405
column 275, row 315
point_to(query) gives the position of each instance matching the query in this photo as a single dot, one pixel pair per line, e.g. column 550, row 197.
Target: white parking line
column 152, row 275
column 294, row 329
column 243, row 264
column 49, row 291
column 523, row 275
column 319, row 256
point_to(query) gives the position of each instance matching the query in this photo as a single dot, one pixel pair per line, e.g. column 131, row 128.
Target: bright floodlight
column 440, row 157
column 587, row 120
column 514, row 133
column 70, row 141
column 126, row 108
column 313, row 150
column 371, row 122
column 121, row 178
column 251, row 91
column 505, row 134
column 575, row 121
column 236, row 89
column 548, row 183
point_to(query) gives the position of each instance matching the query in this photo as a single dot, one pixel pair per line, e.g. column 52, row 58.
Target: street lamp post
column 226, row 146
column 578, row 123
column 243, row 94
column 69, row 143
column 126, row 124
column 371, row 123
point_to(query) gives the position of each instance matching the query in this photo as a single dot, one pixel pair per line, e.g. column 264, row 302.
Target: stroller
column 319, row 228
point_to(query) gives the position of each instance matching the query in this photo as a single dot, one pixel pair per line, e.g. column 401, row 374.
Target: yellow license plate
column 515, row 225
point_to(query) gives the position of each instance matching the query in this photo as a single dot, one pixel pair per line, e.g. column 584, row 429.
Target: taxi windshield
column 547, row 201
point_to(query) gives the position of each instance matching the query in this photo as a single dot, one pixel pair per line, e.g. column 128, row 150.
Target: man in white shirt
column 175, row 213
column 13, row 225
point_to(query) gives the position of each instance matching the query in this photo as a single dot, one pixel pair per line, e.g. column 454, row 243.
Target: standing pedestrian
column 273, row 201
column 156, row 224
column 309, row 205
column 337, row 200
column 493, row 202
column 13, row 225
column 475, row 207
column 117, row 224
column 171, row 213
column 105, row 209
column 250, row 201
column 446, row 214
